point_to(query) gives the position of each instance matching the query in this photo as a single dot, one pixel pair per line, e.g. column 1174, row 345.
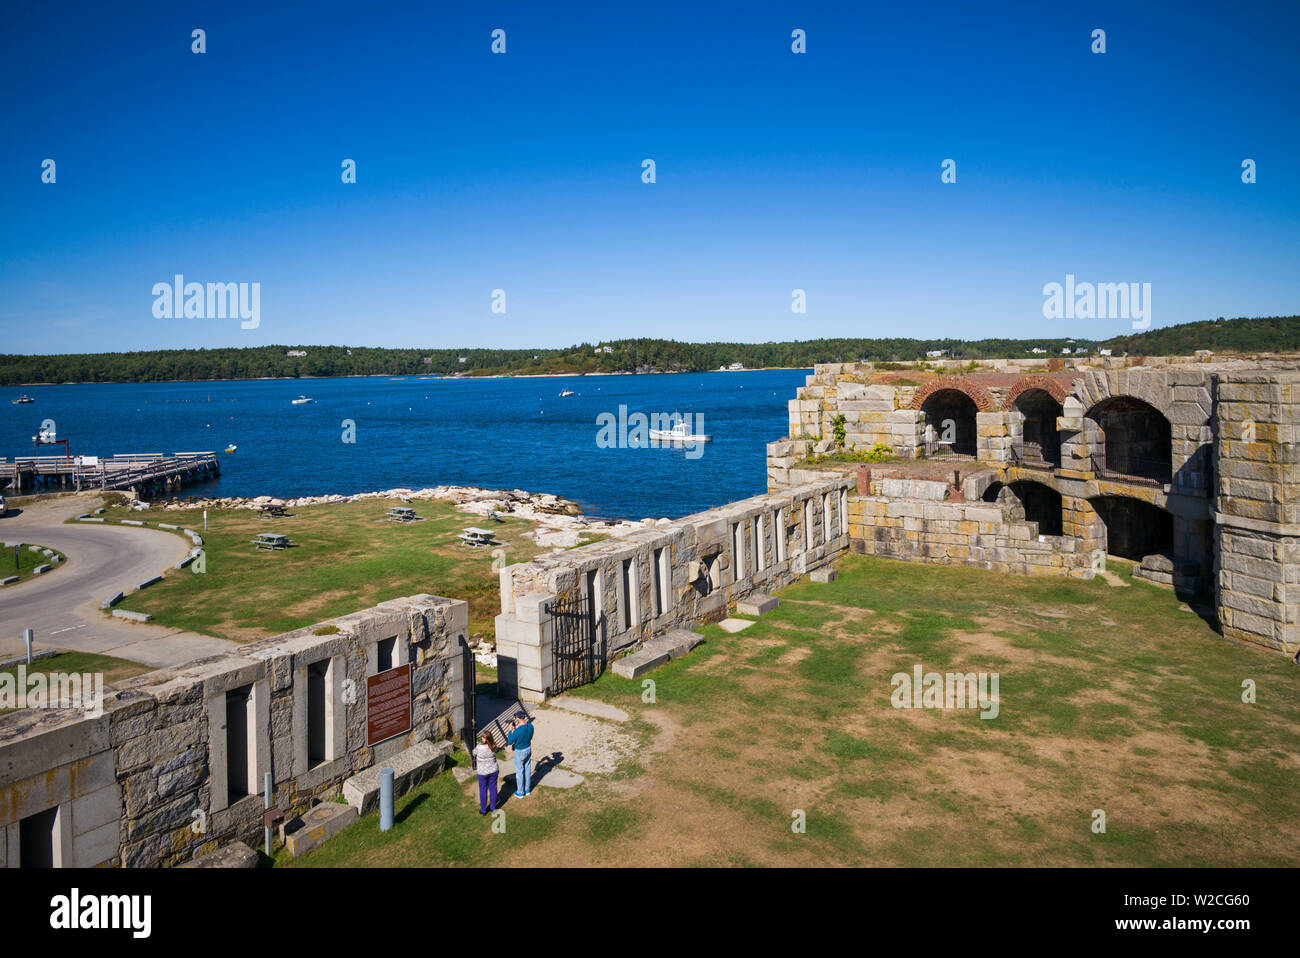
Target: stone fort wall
column 146, row 783
column 674, row 574
column 1204, row 448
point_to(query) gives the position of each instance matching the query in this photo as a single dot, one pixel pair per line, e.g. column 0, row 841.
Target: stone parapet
column 161, row 776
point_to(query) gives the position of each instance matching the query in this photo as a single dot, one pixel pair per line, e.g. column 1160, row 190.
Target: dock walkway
column 146, row 473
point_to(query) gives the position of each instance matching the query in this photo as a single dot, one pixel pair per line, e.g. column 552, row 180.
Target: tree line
column 1266, row 334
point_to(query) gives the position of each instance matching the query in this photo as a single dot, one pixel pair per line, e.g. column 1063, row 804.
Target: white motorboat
column 301, row 400
column 45, row 437
column 565, row 392
column 680, row 433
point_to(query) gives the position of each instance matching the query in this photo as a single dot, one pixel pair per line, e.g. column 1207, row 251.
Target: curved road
column 62, row 606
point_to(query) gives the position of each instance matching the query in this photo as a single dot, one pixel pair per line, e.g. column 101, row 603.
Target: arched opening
column 1039, row 503
column 1138, row 441
column 1041, row 440
column 949, row 418
column 1134, row 529
column 1042, row 505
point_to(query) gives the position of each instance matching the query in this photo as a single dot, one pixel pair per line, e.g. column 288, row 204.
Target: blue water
column 495, row 433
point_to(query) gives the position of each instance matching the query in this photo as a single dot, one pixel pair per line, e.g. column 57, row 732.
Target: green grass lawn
column 1111, row 699
column 82, row 662
column 345, row 558
column 27, row 561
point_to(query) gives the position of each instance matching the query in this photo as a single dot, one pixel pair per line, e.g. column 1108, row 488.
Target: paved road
column 62, row 606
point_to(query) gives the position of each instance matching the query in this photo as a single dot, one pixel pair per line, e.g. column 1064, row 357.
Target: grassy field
column 27, row 561
column 345, row 558
column 82, row 662
column 1112, row 699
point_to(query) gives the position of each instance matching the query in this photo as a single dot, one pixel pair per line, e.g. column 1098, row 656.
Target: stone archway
column 1134, row 528
column 948, row 417
column 1043, row 505
column 1053, row 387
column 980, row 396
column 1040, row 439
column 949, row 405
column 1139, row 440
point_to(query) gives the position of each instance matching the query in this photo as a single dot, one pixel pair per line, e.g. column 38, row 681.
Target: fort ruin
column 1188, row 468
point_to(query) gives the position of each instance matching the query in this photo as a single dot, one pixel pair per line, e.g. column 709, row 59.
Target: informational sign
column 388, row 704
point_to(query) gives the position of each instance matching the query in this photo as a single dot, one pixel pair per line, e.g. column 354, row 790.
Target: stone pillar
column 1257, row 533
column 1080, row 520
column 906, row 429
column 525, row 643
column 993, row 437
column 1191, row 436
column 1081, row 440
column 781, row 457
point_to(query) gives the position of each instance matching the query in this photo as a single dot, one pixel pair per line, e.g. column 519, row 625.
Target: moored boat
column 680, row 433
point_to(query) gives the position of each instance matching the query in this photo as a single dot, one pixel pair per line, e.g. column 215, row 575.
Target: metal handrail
column 1164, row 469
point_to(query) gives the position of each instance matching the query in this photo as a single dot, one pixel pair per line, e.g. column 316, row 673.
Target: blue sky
column 522, row 172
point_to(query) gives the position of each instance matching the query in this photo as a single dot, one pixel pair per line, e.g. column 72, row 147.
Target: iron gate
column 469, row 678
column 577, row 657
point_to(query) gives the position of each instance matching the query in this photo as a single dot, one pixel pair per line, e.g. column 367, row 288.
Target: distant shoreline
column 631, row 357
column 414, row 377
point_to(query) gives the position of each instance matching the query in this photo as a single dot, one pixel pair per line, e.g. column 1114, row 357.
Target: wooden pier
column 148, row 474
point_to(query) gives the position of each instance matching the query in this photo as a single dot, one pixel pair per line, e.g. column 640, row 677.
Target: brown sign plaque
column 388, row 704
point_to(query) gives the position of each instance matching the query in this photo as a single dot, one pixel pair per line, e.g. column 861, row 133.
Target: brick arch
column 1046, row 383
column 980, row 396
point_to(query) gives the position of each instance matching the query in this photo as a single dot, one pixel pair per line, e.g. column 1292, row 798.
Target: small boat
column 680, row 433
column 23, row 399
column 565, row 392
column 300, row 401
column 231, row 448
column 45, row 437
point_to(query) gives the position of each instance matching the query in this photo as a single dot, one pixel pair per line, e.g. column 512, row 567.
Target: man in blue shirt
column 520, row 738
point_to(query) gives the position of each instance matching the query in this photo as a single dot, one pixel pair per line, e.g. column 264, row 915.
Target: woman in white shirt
column 485, row 764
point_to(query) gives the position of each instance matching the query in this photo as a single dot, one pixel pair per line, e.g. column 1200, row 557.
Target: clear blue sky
column 523, row 172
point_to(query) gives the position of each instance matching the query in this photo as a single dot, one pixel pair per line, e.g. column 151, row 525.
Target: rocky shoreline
column 557, row 522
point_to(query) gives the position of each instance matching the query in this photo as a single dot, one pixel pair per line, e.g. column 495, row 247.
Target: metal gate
column 469, row 678
column 577, row 657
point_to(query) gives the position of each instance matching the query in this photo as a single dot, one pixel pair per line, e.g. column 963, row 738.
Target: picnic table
column 474, row 536
column 271, row 541
column 402, row 514
column 271, row 512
